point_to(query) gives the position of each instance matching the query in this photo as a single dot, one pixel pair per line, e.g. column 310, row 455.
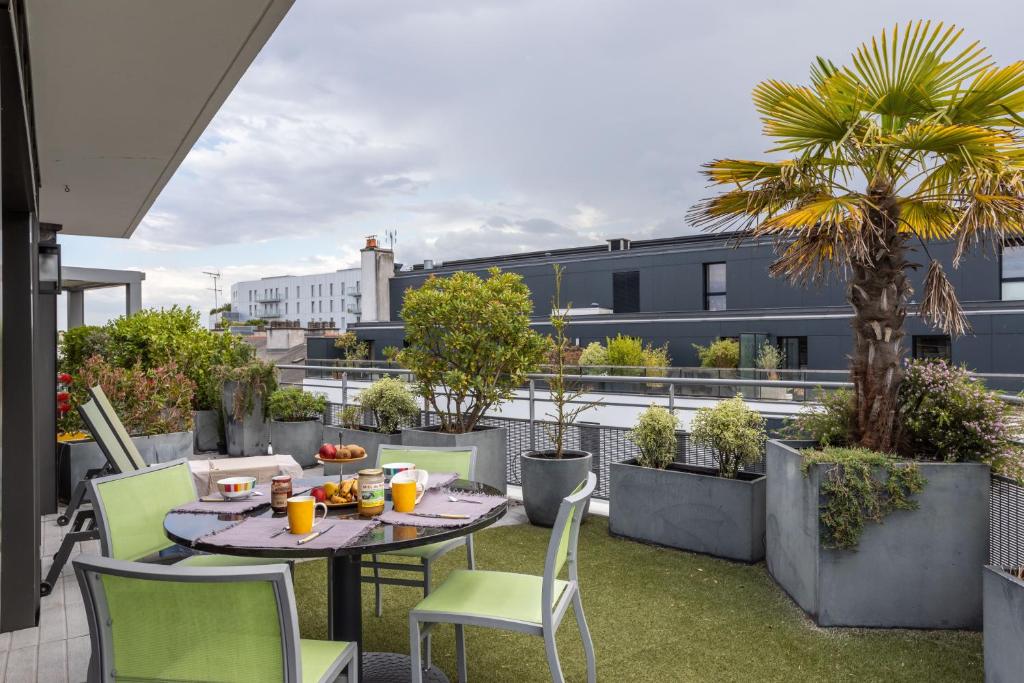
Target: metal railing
column 1006, row 522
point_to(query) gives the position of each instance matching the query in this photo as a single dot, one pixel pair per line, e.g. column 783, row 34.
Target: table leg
column 344, row 599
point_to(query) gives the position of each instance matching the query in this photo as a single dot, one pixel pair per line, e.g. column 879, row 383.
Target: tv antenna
column 391, row 237
column 215, row 289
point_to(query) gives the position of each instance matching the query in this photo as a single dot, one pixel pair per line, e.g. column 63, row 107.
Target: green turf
column 658, row 615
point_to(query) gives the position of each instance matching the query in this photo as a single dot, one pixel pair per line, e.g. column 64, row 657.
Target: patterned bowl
column 236, row 488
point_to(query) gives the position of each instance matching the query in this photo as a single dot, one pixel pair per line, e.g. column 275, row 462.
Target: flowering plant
column 949, row 416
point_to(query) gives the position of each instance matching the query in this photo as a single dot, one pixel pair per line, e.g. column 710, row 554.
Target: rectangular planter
column 78, row 457
column 248, row 436
column 206, row 427
column 688, row 507
column 491, row 450
column 1004, row 626
column 917, row 569
column 301, row 440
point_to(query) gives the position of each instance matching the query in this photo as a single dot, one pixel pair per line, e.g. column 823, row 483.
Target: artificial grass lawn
column 656, row 615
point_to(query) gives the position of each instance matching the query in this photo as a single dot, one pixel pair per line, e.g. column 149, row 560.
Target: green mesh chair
column 121, row 434
column 130, row 509
column 515, row 602
column 459, row 460
column 214, row 624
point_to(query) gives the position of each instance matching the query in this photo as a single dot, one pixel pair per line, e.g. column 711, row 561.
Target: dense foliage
column 351, row 347
column 860, row 486
column 735, row 433
column 770, row 357
column 831, row 425
column 392, row 403
column 147, row 401
column 721, row 353
column 948, row 416
column 917, row 139
column 625, row 356
column 594, row 354
column 470, row 343
column 292, row 404
column 655, row 435
column 256, row 380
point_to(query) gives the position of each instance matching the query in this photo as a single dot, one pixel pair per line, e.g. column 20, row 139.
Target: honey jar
column 371, row 492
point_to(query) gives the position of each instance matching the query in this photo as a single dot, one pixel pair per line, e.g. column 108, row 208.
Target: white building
column 332, row 300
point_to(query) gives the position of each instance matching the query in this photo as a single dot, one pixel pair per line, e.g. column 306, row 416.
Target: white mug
column 418, row 476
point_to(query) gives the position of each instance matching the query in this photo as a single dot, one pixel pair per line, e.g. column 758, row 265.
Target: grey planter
column 206, row 428
column 248, row 436
column 301, row 440
column 690, row 508
column 491, row 450
column 918, row 569
column 367, row 438
column 1004, row 626
column 78, row 457
column 546, row 481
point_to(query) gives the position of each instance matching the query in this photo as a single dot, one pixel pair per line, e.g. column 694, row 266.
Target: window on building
column 319, row 290
column 286, row 307
column 714, row 286
column 1012, row 272
column 298, row 307
column 320, row 306
column 312, row 291
column 933, row 346
column 331, row 306
column 626, row 291
column 298, row 292
column 795, row 350
column 331, row 288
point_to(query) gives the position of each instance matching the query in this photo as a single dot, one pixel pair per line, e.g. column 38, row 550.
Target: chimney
column 428, row 264
column 377, row 267
column 371, row 241
column 618, row 244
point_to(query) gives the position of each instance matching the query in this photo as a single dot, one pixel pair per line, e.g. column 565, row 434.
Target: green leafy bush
column 292, row 404
column 734, row 432
column 860, row 486
column 147, row 400
column 721, row 353
column 624, row 351
column 948, row 416
column 391, row 402
column 351, row 347
column 470, row 343
column 594, row 354
column 770, row 357
column 351, row 416
column 831, row 425
column 79, row 344
column 655, row 436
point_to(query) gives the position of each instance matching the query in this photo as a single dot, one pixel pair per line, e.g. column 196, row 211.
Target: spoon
column 453, row 499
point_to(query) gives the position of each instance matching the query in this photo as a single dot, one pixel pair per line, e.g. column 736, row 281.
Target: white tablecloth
column 205, row 473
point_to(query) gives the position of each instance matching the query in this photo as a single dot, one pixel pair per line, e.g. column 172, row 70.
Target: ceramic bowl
column 236, row 488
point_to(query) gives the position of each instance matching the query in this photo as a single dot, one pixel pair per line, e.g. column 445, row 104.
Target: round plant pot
column 547, row 480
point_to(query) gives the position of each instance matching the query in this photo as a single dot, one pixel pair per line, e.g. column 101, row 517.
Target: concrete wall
column 1004, row 627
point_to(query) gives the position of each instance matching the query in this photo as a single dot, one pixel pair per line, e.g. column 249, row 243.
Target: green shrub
column 391, row 402
column 721, row 353
column 351, row 416
column 594, row 354
column 946, row 415
column 734, row 432
column 79, row 344
column 292, row 404
column 854, row 494
column 470, row 343
column 831, row 425
column 770, row 357
column 624, row 351
column 655, row 436
column 351, row 347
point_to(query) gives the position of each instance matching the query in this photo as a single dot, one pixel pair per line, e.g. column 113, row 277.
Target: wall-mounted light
column 49, row 268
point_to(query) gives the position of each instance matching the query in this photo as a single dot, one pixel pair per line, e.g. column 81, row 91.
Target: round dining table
column 344, row 564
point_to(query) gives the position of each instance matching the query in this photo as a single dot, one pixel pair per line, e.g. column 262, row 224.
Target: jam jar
column 371, row 492
column 280, row 492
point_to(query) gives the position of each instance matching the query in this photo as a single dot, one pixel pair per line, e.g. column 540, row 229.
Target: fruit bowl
column 236, row 488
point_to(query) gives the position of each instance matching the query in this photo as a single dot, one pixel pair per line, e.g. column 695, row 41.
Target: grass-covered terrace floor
column 658, row 615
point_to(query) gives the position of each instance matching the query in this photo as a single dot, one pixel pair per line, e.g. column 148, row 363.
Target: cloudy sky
column 477, row 127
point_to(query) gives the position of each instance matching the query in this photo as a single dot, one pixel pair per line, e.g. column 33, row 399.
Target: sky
column 480, row 127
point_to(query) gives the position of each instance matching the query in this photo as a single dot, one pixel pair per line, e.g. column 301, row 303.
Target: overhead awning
column 122, row 90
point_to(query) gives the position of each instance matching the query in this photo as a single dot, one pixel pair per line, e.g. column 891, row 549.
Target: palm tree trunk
column 878, row 292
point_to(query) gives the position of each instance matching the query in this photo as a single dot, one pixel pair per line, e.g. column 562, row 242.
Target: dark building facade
column 694, row 289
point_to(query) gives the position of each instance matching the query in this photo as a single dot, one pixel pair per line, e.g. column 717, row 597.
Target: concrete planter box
column 546, row 481
column 301, row 440
column 206, row 428
column 1004, row 626
column 78, row 457
column 690, row 508
column 248, row 436
column 918, row 569
column 491, row 449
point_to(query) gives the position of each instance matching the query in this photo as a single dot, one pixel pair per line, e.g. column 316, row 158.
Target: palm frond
column 992, row 217
column 741, row 172
column 799, row 117
column 843, row 211
column 811, row 255
column 946, row 139
column 994, row 98
column 940, row 306
column 929, row 220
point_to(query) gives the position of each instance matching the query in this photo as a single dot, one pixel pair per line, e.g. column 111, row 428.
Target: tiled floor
column 57, row 651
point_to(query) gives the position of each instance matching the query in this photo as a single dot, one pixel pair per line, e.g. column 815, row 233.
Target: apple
column 319, row 494
column 328, row 451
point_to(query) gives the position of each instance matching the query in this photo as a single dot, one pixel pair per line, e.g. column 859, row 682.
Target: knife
column 313, row 535
column 438, row 516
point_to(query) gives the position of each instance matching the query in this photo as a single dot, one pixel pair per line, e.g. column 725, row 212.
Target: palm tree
column 917, row 140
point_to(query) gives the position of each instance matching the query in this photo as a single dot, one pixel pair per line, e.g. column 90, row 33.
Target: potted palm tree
column 296, row 423
column 718, row 511
column 918, row 140
column 470, row 345
column 548, row 476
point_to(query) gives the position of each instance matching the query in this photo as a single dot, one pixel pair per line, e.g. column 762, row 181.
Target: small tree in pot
column 392, row 404
column 718, row 511
column 549, row 476
column 244, row 392
column 296, row 423
column 470, row 345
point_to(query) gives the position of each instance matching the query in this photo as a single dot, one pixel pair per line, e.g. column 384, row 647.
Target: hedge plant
column 655, row 436
column 469, row 343
column 392, row 403
column 721, row 353
column 735, row 433
column 292, row 404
